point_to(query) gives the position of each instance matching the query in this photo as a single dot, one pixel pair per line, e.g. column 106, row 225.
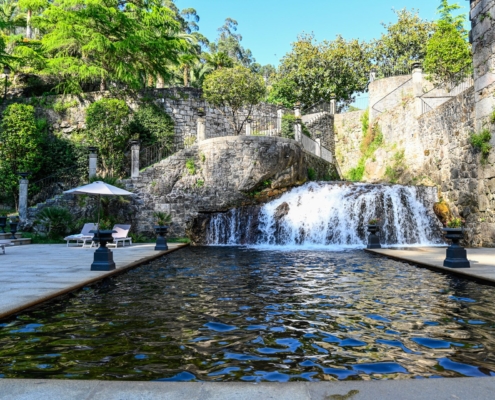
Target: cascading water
column 332, row 214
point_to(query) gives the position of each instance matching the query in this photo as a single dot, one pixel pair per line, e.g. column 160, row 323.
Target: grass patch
column 179, row 240
column 190, row 166
column 36, row 238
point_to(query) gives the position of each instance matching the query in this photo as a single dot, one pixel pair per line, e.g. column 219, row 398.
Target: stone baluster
column 318, row 147
column 280, row 114
column 135, row 158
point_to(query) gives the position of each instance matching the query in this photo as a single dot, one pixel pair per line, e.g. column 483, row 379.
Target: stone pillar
column 248, row 126
column 297, row 124
column 372, row 74
column 93, row 162
column 417, row 78
column 23, row 198
column 280, row 114
column 318, row 147
column 332, row 105
column 482, row 37
column 135, row 158
column 201, row 127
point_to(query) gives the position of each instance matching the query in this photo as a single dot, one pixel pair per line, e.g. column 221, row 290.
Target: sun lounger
column 85, row 237
column 4, row 243
column 121, row 235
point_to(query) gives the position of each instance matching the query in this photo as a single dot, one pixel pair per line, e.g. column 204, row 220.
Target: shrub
column 106, row 128
column 311, row 174
column 162, row 218
column 151, row 124
column 190, row 166
column 57, row 221
column 481, row 142
column 200, row 183
column 455, row 223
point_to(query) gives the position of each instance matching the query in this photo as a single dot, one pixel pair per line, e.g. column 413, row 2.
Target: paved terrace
column 411, row 389
column 32, row 274
column 482, row 261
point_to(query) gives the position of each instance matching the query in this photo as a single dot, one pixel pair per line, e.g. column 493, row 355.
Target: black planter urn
column 3, row 224
column 161, row 240
column 103, row 259
column 13, row 229
column 456, row 254
column 373, row 239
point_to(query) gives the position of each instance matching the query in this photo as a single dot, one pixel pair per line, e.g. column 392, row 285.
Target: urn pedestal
column 103, row 258
column 161, row 240
column 373, row 239
column 456, row 256
column 13, row 229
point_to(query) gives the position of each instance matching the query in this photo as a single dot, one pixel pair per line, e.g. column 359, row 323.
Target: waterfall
column 332, row 214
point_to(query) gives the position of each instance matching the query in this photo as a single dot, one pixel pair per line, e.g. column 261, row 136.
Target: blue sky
column 269, row 27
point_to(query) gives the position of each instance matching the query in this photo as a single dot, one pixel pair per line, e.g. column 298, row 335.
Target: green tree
column 109, row 40
column 20, row 140
column 402, row 43
column 30, row 6
column 106, row 129
column 234, row 92
column 448, row 58
column 316, row 71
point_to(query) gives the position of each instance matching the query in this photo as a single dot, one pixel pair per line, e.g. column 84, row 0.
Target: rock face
column 217, row 175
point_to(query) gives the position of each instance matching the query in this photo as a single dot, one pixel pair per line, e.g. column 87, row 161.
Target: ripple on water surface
column 234, row 314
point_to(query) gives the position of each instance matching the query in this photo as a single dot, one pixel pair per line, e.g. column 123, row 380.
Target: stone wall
column 482, row 37
column 348, row 138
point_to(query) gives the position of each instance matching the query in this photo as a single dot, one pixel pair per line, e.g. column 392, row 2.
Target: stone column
column 135, row 158
column 93, row 162
column 248, row 126
column 417, row 78
column 332, row 105
column 482, row 37
column 280, row 114
column 201, row 127
column 318, row 147
column 23, row 197
column 297, row 124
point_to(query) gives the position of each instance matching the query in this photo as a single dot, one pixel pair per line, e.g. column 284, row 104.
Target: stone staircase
column 19, row 241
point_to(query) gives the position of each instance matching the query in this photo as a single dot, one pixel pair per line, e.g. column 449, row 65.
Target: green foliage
column 203, row 157
column 162, row 218
column 287, row 130
column 106, row 122
column 61, row 106
column 200, row 183
column 372, row 140
column 311, row 174
column 106, row 40
column 402, row 43
column 21, row 136
column 481, row 142
column 57, row 221
column 236, row 88
column 151, row 124
column 448, row 57
column 312, row 71
column 393, row 172
column 365, row 121
column 190, row 166
column 455, row 223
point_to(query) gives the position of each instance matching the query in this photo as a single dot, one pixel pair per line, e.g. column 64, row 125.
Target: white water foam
column 334, row 216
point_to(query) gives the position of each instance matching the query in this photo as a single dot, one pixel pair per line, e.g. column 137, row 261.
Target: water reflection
column 226, row 314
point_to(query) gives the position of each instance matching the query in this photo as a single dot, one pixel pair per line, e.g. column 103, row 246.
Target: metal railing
column 392, row 99
column 156, row 152
column 320, row 107
column 42, row 190
column 443, row 92
column 387, row 69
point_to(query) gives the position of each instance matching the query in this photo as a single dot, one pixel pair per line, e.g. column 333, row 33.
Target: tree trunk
column 28, row 24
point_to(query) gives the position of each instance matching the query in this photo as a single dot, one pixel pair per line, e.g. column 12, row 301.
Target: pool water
column 240, row 314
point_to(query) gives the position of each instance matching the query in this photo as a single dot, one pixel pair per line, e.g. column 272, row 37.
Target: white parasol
column 100, row 189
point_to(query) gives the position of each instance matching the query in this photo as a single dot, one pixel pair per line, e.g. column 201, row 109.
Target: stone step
column 7, row 235
column 21, row 242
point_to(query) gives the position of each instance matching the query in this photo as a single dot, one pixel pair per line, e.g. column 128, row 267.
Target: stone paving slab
column 482, row 261
column 410, row 389
column 32, row 274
